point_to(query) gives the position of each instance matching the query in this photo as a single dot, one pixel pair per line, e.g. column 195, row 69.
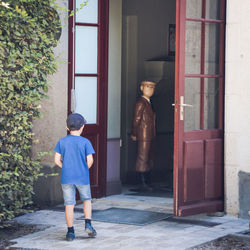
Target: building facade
column 132, row 40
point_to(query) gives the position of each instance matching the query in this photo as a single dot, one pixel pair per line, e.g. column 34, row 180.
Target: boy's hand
column 58, row 160
column 90, row 160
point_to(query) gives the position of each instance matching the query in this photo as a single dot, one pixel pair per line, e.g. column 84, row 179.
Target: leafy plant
column 29, row 30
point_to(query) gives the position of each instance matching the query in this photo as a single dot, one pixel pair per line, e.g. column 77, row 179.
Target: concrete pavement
column 159, row 235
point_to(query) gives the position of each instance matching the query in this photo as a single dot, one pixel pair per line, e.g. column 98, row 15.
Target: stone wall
column 52, row 126
column 237, row 102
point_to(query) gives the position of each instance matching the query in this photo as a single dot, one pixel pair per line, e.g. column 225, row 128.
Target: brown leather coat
column 144, row 121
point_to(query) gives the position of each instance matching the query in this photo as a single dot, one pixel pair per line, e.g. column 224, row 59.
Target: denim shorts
column 69, row 193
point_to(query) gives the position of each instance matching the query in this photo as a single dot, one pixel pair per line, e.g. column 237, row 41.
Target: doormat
column 193, row 222
column 228, row 242
column 127, row 216
column 154, row 193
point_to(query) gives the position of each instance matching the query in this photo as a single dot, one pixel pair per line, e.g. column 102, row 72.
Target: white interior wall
column 114, row 68
column 145, row 38
column 114, row 97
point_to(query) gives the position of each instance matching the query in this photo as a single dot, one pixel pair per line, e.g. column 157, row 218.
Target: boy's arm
column 58, row 160
column 90, row 160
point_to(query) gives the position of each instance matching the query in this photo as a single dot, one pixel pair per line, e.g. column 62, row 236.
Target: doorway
column 149, row 54
column 191, row 76
column 192, row 80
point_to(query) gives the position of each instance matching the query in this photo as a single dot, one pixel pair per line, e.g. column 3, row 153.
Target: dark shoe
column 144, row 186
column 90, row 230
column 148, row 178
column 70, row 236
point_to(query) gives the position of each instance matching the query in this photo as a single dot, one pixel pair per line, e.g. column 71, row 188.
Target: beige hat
column 148, row 82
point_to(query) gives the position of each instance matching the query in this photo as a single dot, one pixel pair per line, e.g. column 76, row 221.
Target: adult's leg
column 142, row 163
column 150, row 162
column 151, row 155
column 142, row 156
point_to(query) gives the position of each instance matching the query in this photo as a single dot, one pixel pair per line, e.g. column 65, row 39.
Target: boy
column 74, row 156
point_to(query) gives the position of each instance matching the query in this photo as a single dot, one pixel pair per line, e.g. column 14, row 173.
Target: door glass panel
column 213, row 9
column 86, row 97
column 192, row 96
column 194, row 8
column 193, row 48
column 211, row 99
column 212, row 48
column 86, row 50
column 89, row 13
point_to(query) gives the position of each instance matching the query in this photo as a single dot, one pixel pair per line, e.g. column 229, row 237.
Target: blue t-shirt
column 74, row 150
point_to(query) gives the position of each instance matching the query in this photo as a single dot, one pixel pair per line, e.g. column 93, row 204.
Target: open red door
column 199, row 106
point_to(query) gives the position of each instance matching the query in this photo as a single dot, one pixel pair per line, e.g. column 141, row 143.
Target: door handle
column 182, row 105
column 186, row 105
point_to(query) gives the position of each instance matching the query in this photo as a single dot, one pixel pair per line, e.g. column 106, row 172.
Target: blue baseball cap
column 75, row 121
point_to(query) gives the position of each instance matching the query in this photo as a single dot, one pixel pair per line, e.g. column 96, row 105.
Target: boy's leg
column 69, row 215
column 69, row 202
column 87, row 209
column 85, row 195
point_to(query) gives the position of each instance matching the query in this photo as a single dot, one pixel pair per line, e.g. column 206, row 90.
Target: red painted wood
column 193, row 171
column 198, row 153
column 87, row 75
column 176, row 108
column 202, row 76
column 222, row 66
column 179, row 90
column 203, row 41
column 203, row 20
column 87, row 24
column 70, row 56
column 200, row 207
column 213, row 168
column 203, row 134
column 96, row 133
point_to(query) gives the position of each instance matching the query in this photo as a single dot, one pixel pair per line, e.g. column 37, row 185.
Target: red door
column 88, row 60
column 199, row 91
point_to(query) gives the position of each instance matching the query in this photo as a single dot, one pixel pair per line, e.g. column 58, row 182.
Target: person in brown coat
column 143, row 131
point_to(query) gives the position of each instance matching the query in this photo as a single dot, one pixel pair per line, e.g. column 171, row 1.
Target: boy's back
column 74, row 150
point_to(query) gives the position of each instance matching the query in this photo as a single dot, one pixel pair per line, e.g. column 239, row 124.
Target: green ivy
column 29, row 30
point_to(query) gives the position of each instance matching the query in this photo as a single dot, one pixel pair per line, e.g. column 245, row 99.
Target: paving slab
column 159, row 235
